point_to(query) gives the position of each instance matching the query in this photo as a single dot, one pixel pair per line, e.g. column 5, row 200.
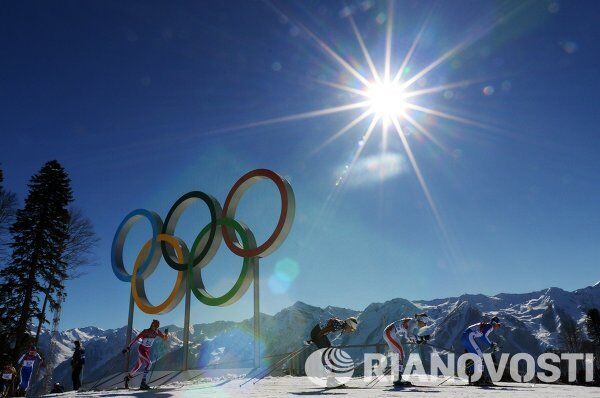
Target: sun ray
column 342, row 87
column 335, row 55
column 343, row 130
column 416, row 168
column 365, row 139
column 364, row 49
column 434, row 209
column 464, row 44
column 321, row 44
column 410, row 52
column 437, row 62
column 388, row 40
column 443, row 87
column 384, row 135
column 449, row 116
column 297, row 116
column 424, row 131
column 339, row 184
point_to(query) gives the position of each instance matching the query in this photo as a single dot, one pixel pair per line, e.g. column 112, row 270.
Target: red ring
column 259, row 174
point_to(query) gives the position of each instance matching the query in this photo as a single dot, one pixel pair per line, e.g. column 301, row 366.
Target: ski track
column 288, row 386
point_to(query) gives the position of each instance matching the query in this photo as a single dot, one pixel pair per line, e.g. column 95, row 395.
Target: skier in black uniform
column 318, row 335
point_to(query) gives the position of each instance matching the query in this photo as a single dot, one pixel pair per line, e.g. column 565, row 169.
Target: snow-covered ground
column 301, row 386
column 531, row 323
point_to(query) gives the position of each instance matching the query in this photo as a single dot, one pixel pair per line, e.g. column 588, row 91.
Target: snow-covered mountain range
column 531, row 323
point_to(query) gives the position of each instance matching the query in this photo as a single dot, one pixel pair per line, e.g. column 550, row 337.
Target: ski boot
column 144, row 386
column 483, row 382
column 402, row 383
column 126, row 380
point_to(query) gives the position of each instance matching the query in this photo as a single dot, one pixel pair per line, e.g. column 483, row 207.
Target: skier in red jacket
column 147, row 337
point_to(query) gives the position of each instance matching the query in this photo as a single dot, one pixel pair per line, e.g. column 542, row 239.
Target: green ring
column 246, row 275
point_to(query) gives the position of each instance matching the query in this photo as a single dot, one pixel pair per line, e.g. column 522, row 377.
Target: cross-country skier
column 26, row 362
column 409, row 328
column 318, row 335
column 8, row 376
column 147, row 337
column 479, row 333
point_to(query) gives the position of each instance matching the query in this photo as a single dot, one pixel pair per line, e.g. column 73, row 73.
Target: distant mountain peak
column 301, row 305
column 334, row 308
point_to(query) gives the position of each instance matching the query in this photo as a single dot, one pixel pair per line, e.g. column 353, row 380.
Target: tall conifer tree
column 592, row 324
column 36, row 267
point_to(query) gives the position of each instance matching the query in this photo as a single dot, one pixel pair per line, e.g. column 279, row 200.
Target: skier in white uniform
column 409, row 328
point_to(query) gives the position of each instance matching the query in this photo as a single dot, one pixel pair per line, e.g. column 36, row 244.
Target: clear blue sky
column 135, row 98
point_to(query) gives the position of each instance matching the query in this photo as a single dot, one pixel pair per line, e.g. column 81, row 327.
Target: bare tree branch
column 8, row 205
column 79, row 246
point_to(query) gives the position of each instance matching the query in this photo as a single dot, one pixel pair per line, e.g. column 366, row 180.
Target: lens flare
column 286, row 271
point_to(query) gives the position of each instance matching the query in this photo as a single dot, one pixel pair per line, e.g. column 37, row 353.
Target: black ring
column 175, row 212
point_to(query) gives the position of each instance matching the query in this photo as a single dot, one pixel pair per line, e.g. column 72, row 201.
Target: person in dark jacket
column 77, row 362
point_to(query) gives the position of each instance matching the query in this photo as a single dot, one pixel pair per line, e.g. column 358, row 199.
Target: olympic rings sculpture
column 189, row 263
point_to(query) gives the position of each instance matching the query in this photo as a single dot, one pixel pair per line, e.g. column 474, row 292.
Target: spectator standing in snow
column 77, row 362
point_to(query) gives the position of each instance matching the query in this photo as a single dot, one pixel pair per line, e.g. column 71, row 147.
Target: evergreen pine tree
column 592, row 324
column 7, row 210
column 36, row 267
column 570, row 335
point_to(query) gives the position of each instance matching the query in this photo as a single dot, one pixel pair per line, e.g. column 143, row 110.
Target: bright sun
column 386, row 100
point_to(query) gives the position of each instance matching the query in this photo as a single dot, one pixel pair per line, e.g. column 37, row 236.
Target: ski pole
column 152, row 363
column 390, row 369
column 377, row 379
column 386, row 371
column 268, row 369
column 273, row 366
column 281, row 362
column 470, row 366
column 445, row 380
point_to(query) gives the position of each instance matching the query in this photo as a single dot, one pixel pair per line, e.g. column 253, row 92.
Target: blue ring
column 116, row 253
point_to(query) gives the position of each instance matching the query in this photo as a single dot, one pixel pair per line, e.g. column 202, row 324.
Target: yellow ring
column 137, row 281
